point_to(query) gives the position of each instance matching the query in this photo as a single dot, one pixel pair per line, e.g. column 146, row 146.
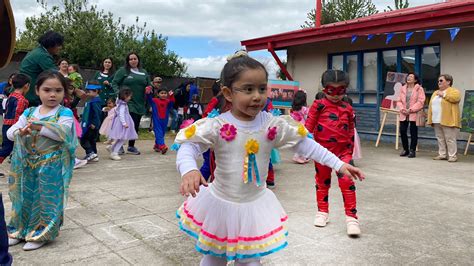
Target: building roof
column 447, row 14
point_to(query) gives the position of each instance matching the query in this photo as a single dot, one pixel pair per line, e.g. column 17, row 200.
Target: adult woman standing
column 105, row 77
column 412, row 100
column 444, row 116
column 136, row 78
column 63, row 65
column 39, row 60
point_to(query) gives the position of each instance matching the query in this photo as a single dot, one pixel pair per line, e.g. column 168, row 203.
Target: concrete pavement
column 413, row 211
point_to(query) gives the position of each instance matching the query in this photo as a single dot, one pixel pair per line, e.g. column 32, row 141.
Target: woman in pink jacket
column 411, row 101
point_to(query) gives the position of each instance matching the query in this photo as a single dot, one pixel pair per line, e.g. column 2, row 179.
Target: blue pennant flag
column 370, row 37
column 389, row 37
column 408, row 35
column 428, row 34
column 453, row 32
column 354, row 38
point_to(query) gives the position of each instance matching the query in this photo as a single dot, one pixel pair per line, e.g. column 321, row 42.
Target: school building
column 361, row 48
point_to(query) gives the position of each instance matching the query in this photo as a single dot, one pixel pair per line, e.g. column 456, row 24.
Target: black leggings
column 136, row 120
column 413, row 134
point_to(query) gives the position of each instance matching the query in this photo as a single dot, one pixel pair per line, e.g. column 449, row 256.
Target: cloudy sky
column 205, row 32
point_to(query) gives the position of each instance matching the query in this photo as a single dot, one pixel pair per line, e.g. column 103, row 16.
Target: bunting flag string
column 389, row 37
column 428, row 34
column 408, row 36
column 453, row 33
column 354, row 38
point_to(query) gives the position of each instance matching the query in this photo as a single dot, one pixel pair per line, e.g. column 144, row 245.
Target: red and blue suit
column 16, row 105
column 332, row 125
column 160, row 114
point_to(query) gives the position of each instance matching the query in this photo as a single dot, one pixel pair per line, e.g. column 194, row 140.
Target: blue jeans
column 5, row 257
column 174, row 119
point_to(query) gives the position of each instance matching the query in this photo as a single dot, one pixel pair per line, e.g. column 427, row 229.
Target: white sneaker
column 13, row 241
column 78, row 163
column 33, row 245
column 115, row 157
column 92, row 157
column 321, row 219
column 353, row 228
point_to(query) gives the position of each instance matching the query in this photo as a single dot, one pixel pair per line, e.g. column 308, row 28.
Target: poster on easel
column 282, row 92
column 467, row 119
column 388, row 108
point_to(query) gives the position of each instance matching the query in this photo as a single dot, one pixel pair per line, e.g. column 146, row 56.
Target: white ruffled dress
column 236, row 216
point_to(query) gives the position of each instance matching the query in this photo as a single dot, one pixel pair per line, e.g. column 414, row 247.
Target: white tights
column 209, row 260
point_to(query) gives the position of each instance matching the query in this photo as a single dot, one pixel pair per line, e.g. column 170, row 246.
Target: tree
column 280, row 74
column 91, row 35
column 341, row 10
column 399, row 4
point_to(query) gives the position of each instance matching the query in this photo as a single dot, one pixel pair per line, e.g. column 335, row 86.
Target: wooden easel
column 385, row 112
column 469, row 142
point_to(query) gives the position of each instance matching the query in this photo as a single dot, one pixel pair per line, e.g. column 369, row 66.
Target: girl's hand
column 106, row 83
column 352, row 172
column 25, row 131
column 190, row 183
column 36, row 127
column 125, row 125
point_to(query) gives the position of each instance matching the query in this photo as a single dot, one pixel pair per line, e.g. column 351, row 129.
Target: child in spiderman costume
column 161, row 107
column 331, row 121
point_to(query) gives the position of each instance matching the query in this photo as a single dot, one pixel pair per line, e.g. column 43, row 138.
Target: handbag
column 421, row 118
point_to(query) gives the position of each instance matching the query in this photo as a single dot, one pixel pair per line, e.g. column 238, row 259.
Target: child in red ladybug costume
column 331, row 121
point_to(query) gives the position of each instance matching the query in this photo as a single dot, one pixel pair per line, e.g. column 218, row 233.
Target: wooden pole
column 468, row 143
column 381, row 128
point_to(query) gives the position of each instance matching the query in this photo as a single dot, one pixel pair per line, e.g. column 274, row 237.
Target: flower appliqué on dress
column 252, row 146
column 250, row 163
column 190, row 131
column 228, row 132
column 272, row 132
column 302, row 131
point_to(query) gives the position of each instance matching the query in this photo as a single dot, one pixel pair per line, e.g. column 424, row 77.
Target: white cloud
column 211, row 66
column 223, row 20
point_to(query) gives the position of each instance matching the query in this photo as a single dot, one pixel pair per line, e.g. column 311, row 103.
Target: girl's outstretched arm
column 313, row 150
column 191, row 177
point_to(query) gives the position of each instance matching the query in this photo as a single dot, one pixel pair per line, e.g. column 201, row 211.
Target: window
column 352, row 69
column 408, row 59
column 389, row 64
column 430, row 68
column 338, row 62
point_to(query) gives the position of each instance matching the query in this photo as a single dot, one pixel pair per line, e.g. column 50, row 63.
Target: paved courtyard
column 412, row 211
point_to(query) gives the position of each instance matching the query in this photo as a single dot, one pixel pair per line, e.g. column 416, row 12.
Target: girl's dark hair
column 111, row 70
column 75, row 66
column 334, row 76
column 127, row 64
column 417, row 79
column 51, row 39
column 111, row 100
column 62, row 59
column 124, row 93
column 448, row 77
column 216, row 88
column 48, row 74
column 235, row 66
column 20, row 80
column 12, row 75
column 299, row 101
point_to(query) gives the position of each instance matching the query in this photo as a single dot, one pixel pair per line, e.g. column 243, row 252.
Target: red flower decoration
column 228, row 132
column 272, row 132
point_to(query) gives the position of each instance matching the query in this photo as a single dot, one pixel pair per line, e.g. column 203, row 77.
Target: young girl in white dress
column 236, row 217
